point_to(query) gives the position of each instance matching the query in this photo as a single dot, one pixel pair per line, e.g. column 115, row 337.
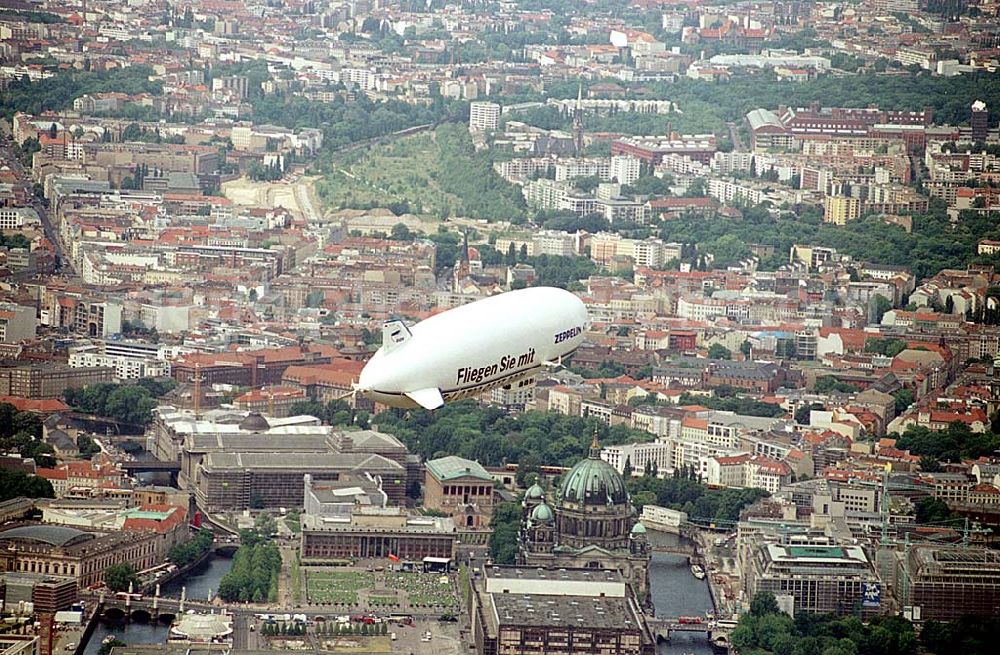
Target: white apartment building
column 727, row 163
column 580, row 204
column 361, row 77
column 624, row 168
column 767, row 474
column 484, row 116
column 728, row 192
column 15, row 218
column 700, row 309
column 518, row 395
column 131, row 360
column 654, row 422
column 618, row 210
column 545, row 194
column 567, row 169
column 745, row 470
column 554, row 242
column 728, row 471
column 638, row 455
column 521, row 168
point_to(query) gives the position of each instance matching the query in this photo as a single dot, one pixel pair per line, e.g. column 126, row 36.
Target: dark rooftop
column 54, row 535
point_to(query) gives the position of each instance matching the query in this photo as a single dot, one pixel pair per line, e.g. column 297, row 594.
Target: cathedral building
column 590, row 523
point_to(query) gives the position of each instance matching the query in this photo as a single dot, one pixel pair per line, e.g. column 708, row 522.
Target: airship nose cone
column 372, row 376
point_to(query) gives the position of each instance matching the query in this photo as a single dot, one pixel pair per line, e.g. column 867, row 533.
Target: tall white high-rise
column 484, row 116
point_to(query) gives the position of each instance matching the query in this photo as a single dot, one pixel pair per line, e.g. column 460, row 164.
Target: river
column 199, row 582
column 676, row 592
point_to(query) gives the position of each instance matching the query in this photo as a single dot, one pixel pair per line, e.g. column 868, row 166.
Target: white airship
column 460, row 353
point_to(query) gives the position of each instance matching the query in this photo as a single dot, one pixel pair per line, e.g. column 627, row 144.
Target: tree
column 929, row 464
column 802, row 413
column 503, row 542
column 627, row 469
column 118, row 576
column 880, row 306
column 931, row 510
column 904, row 398
column 53, row 131
column 401, row 233
column 87, row 446
column 830, row 384
column 718, row 351
column 106, row 646
column 15, row 483
column 764, row 603
column 265, row 524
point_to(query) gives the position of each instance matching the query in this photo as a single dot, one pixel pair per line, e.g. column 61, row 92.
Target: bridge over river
column 717, row 632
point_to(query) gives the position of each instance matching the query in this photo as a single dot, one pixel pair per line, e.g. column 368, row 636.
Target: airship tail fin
column 427, row 398
column 394, row 334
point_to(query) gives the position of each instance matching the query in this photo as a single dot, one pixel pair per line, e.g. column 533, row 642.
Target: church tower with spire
column 578, row 120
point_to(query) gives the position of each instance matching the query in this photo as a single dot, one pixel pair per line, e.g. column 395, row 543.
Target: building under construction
column 947, row 582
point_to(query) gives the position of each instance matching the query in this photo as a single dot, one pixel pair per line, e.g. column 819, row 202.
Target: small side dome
column 535, row 492
column 254, row 422
column 541, row 514
column 638, row 528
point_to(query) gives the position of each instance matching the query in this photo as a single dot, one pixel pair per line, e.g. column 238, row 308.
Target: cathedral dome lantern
column 594, row 482
column 534, row 495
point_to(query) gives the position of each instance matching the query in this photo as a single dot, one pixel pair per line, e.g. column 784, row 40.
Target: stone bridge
column 142, row 609
column 716, row 632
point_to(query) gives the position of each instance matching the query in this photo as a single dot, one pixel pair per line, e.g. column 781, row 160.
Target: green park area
column 429, row 590
column 353, row 588
column 437, row 174
column 337, row 587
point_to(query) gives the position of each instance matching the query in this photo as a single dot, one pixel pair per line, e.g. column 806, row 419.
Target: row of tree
column 14, row 484
column 184, row 553
column 254, row 574
column 492, row 437
column 953, row 444
column 683, row 491
column 128, row 403
column 766, row 629
column 334, row 412
column 58, row 92
column 21, row 432
column 740, row 404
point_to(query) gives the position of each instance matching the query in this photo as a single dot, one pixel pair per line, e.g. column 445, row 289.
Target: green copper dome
column 594, row 482
column 638, row 528
column 541, row 514
column 534, row 492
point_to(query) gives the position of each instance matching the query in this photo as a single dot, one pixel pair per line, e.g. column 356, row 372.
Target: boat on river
column 697, row 571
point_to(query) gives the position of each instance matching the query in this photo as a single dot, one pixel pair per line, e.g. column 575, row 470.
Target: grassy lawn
column 423, row 589
column 339, row 587
column 434, row 174
column 394, row 173
column 383, row 601
column 294, row 524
